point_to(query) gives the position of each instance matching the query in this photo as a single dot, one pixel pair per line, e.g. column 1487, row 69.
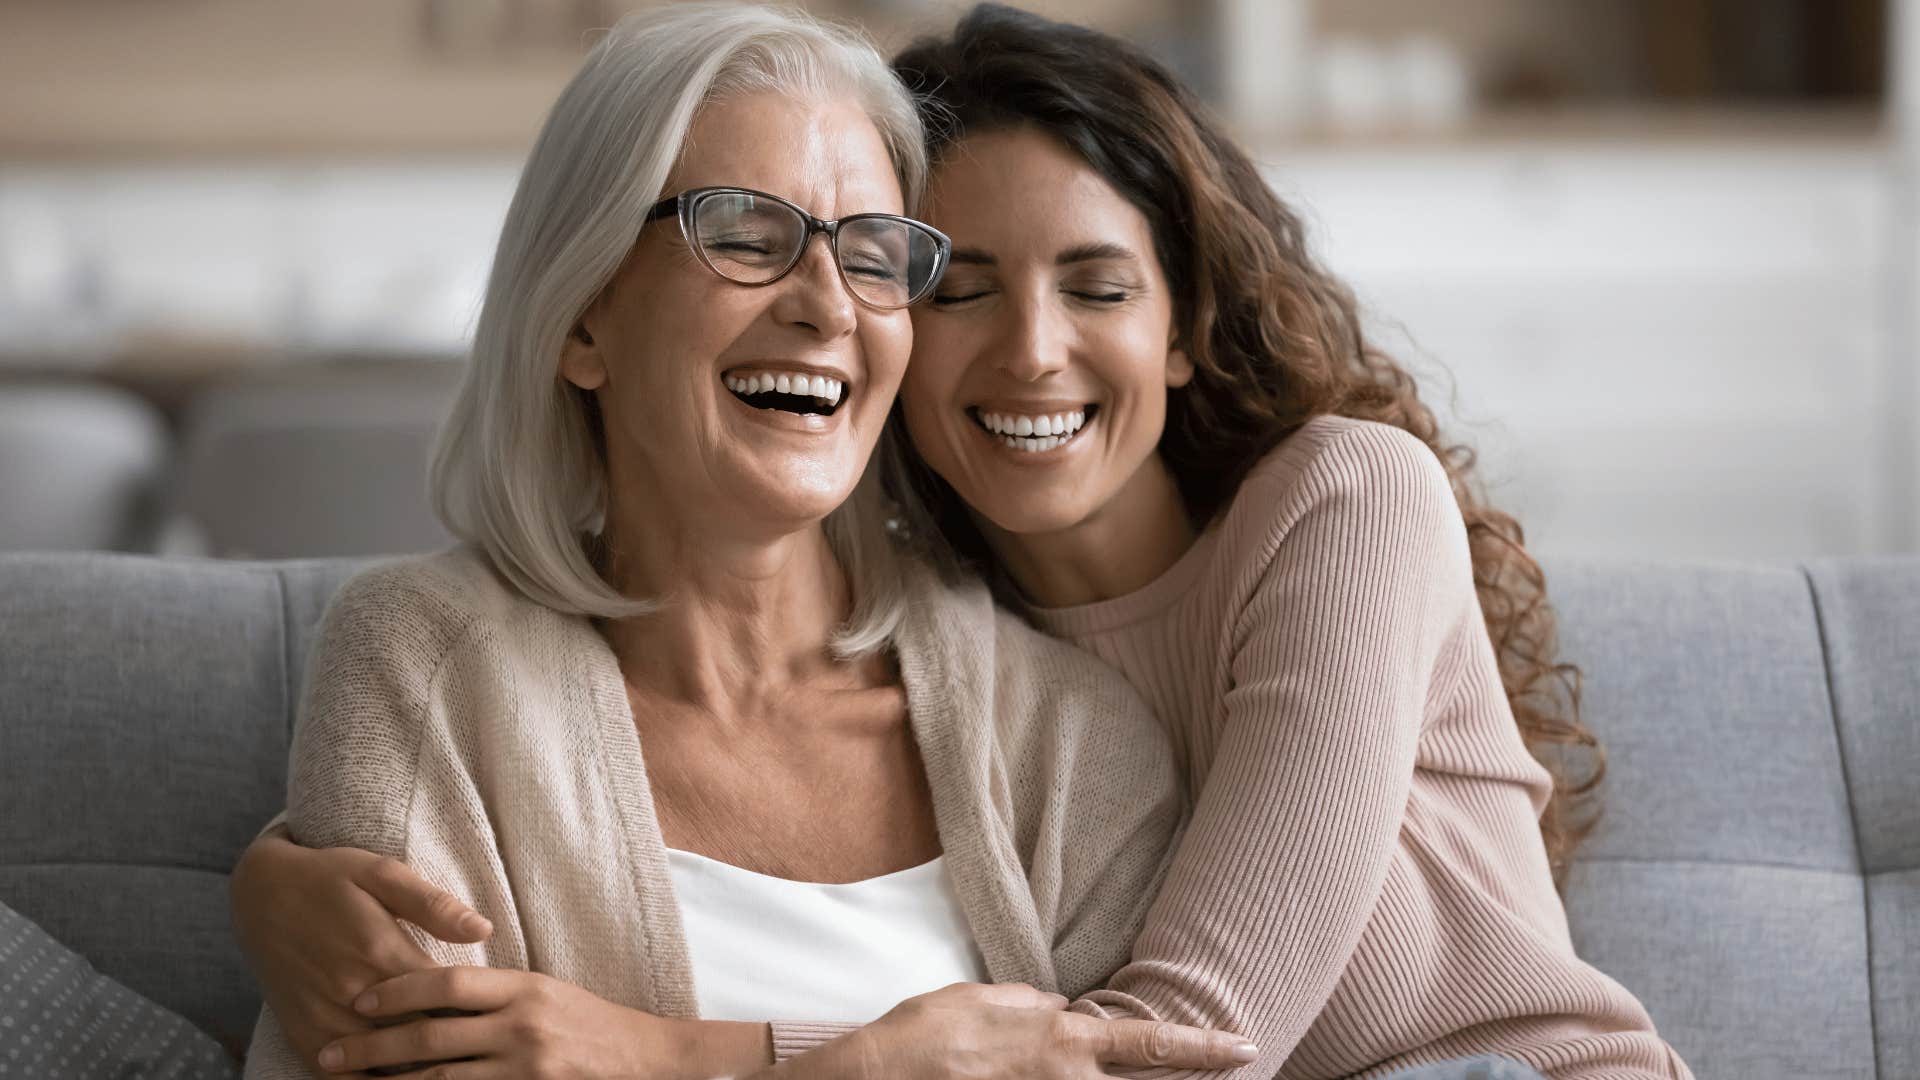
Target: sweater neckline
column 1145, row 602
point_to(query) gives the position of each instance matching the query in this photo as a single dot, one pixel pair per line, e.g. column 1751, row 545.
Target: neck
column 741, row 620
column 1128, row 542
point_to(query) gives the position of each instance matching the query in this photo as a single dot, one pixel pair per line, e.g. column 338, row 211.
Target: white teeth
column 826, row 390
column 1055, row 426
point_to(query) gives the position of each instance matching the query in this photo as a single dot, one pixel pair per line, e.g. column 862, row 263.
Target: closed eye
column 956, row 298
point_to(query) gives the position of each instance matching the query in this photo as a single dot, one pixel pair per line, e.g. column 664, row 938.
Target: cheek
column 887, row 341
column 1142, row 358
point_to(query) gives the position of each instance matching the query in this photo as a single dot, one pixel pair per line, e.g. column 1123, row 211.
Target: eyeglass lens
column 886, row 262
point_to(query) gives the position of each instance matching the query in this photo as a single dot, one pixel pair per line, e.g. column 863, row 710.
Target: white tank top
column 766, row 948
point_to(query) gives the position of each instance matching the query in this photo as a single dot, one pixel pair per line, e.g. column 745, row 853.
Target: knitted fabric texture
column 1363, row 886
column 488, row 741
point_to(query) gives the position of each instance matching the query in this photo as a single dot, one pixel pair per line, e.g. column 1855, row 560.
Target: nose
column 1033, row 340
column 814, row 296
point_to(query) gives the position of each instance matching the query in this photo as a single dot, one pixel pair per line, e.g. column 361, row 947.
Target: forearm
column 713, row 1048
column 1259, row 914
column 1295, row 827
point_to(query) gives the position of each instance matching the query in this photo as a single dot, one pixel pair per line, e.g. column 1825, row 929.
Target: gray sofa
column 1754, row 880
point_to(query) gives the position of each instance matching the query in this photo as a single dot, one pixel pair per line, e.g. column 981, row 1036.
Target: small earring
column 581, row 333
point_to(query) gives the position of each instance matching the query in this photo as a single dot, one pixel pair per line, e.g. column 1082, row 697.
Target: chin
column 1032, row 520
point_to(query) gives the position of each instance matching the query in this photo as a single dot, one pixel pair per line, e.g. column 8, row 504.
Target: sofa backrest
column 145, row 707
column 1754, row 876
column 1753, row 879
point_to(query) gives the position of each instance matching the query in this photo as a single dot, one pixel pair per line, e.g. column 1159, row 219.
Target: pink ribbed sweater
column 1363, row 884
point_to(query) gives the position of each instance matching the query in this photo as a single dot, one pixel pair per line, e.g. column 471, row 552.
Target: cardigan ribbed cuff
column 791, row 1038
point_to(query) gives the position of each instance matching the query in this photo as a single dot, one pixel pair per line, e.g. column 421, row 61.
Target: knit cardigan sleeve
column 1296, row 822
column 357, row 745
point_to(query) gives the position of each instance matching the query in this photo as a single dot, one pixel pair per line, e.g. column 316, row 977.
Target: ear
column 1179, row 367
column 581, row 362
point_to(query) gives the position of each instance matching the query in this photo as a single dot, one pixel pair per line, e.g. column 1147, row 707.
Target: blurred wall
column 1673, row 310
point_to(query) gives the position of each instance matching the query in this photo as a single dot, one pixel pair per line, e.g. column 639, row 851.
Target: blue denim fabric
column 1484, row 1067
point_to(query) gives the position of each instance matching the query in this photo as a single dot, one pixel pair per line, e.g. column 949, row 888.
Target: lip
column 825, row 370
column 781, row 420
column 1035, row 407
column 1033, row 459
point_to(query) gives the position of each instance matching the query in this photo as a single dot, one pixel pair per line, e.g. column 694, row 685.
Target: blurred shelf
column 1706, row 128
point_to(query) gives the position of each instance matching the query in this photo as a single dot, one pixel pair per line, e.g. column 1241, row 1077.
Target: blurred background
column 1656, row 259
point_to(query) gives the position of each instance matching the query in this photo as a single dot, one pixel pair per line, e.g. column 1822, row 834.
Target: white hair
column 518, row 467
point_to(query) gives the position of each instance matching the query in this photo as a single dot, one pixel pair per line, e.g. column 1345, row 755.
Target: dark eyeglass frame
column 685, row 204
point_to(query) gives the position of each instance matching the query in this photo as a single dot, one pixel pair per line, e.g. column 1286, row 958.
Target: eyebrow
column 1091, row 252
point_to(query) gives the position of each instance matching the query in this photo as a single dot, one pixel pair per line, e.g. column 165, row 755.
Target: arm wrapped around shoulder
column 371, row 748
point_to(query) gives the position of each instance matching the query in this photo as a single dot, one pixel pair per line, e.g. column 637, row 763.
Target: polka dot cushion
column 61, row 1019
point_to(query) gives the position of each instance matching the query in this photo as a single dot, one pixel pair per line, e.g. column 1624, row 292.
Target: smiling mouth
column 1035, row 434
column 795, row 392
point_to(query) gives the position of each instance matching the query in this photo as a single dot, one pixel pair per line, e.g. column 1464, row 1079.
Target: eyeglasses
column 753, row 238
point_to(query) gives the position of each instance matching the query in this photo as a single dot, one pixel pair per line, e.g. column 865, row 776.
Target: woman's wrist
column 705, row 1049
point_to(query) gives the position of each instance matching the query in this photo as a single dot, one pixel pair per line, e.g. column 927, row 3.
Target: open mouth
column 1035, row 434
column 796, row 392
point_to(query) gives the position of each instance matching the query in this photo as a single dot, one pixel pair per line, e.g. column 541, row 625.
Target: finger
column 473, row 989
column 393, row 955
column 427, row 1040
column 1018, row 996
column 433, row 909
column 493, row 1068
column 1152, row 1042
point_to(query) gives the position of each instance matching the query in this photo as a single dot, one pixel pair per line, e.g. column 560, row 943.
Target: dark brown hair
column 1275, row 339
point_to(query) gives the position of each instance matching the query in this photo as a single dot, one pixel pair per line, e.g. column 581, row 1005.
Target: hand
column 318, row 927
column 524, row 1026
column 968, row 1031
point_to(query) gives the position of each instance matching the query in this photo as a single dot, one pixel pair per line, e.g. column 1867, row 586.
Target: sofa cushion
column 1723, row 884
column 60, row 1017
column 1870, row 620
column 145, row 707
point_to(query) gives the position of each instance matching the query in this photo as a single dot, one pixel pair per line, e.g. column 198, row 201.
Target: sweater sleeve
column 356, row 747
column 1295, row 823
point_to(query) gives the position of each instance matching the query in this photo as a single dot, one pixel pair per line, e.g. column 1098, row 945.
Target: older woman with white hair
column 858, row 784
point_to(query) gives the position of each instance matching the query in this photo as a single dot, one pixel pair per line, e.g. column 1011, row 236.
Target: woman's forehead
column 827, row 156
column 1022, row 188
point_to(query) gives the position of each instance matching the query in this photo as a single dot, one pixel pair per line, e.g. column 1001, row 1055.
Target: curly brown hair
column 1276, row 340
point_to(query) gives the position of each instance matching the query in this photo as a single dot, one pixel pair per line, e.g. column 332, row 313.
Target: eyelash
column 1091, row 298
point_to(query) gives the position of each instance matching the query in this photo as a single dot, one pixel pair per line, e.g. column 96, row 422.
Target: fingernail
column 366, row 1002
column 1245, row 1052
column 330, row 1057
column 474, row 925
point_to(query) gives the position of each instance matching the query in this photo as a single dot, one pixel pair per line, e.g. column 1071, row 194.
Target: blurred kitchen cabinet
column 1677, row 350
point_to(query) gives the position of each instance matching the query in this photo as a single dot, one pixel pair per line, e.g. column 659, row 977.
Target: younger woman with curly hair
column 1139, row 406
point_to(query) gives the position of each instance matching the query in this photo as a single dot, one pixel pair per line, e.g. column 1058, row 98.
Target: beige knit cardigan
column 488, row 741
